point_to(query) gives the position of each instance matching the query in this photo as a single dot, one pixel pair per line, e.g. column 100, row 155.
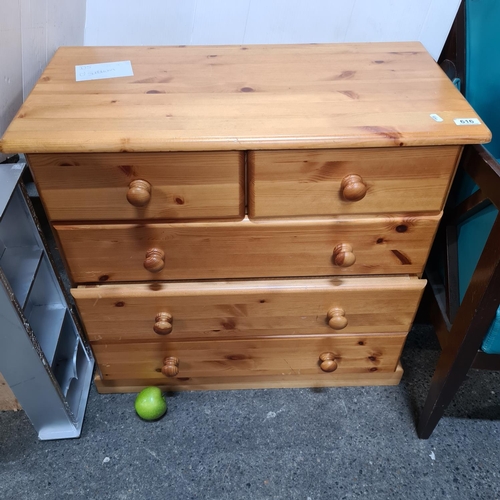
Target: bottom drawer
column 251, row 362
column 269, row 382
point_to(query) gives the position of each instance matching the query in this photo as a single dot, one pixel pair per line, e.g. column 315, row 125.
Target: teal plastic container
column 482, row 90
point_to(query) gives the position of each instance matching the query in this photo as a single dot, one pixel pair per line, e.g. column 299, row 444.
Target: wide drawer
column 251, row 382
column 173, row 311
column 219, row 250
column 120, row 186
column 349, row 181
column 258, row 357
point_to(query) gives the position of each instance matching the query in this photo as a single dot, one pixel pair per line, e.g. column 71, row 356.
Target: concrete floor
column 288, row 444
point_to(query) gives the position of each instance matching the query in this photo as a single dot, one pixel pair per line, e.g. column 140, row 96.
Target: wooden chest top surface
column 243, row 97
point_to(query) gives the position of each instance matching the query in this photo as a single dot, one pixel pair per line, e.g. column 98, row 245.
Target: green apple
column 150, row 404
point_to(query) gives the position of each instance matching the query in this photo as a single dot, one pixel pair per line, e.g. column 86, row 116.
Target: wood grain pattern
column 276, row 248
column 8, row 401
column 183, row 185
column 305, row 183
column 143, row 178
column 251, row 382
column 113, row 313
column 251, row 357
column 252, row 97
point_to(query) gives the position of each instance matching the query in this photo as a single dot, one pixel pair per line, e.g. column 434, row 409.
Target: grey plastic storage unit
column 43, row 356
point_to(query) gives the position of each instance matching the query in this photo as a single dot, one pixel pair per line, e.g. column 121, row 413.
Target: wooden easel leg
column 471, row 323
column 451, row 371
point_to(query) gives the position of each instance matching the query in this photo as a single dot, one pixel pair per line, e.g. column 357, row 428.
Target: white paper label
column 103, row 70
column 436, row 118
column 467, row 121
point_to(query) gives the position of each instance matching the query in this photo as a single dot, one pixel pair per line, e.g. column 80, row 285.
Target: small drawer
column 349, row 181
column 323, row 356
column 202, row 310
column 246, row 249
column 128, row 186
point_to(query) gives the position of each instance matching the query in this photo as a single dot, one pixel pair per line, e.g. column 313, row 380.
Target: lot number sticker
column 467, row 121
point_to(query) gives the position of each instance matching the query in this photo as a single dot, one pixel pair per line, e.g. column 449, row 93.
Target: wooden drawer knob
column 155, row 260
column 170, row 367
column 139, row 193
column 328, row 363
column 336, row 318
column 343, row 255
column 163, row 323
column 353, row 188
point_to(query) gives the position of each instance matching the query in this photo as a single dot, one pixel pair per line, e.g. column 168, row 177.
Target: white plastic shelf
column 43, row 356
column 20, row 265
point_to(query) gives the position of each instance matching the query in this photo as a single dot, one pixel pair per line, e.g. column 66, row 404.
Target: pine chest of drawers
column 246, row 217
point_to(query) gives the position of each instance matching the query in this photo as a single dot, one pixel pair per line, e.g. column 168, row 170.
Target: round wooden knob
column 155, row 260
column 139, row 193
column 328, row 363
column 336, row 318
column 170, row 367
column 343, row 255
column 353, row 188
column 163, row 323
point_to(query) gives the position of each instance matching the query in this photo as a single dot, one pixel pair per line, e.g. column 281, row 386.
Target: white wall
column 206, row 22
column 30, row 33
